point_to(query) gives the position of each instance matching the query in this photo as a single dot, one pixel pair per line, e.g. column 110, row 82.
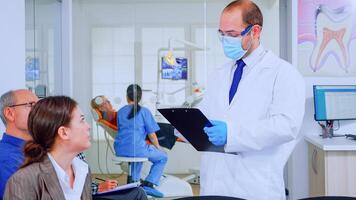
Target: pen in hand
column 106, row 185
column 100, row 179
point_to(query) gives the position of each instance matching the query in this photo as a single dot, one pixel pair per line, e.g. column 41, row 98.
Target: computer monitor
column 334, row 102
column 179, row 71
column 41, row 91
column 32, row 69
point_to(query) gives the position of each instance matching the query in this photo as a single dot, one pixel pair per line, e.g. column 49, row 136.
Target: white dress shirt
column 250, row 61
column 80, row 169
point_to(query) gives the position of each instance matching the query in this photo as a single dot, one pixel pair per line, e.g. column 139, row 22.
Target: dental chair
column 170, row 186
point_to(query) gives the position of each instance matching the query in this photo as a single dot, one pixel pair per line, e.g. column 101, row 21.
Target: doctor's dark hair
column 44, row 120
column 251, row 13
column 134, row 93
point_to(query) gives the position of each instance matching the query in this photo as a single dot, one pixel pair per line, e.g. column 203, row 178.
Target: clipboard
column 190, row 122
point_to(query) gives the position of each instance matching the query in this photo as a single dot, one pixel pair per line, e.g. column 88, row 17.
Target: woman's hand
column 107, row 185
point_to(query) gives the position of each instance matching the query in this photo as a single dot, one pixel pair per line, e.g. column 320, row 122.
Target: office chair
column 111, row 130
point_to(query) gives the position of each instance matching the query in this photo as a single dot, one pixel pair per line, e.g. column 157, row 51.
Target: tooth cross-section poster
column 327, row 37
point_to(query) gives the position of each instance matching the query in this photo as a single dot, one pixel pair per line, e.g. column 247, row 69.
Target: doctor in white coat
column 257, row 101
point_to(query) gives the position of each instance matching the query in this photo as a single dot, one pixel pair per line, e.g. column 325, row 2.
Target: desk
column 332, row 166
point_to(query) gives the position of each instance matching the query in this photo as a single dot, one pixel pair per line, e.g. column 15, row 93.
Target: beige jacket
column 39, row 181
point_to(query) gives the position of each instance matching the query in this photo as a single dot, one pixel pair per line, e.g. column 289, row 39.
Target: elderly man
column 15, row 107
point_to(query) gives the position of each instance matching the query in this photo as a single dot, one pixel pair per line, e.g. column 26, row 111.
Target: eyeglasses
column 28, row 104
column 234, row 34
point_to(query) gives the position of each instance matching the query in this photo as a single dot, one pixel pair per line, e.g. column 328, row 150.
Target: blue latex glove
column 217, row 133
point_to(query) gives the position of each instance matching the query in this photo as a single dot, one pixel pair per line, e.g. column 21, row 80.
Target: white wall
column 298, row 178
column 12, row 51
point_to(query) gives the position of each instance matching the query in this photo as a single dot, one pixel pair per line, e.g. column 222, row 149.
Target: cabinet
column 332, row 166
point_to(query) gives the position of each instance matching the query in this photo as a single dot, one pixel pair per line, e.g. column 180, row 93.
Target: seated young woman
column 51, row 169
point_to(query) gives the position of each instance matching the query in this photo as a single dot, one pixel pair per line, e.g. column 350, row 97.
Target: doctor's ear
column 256, row 31
column 63, row 133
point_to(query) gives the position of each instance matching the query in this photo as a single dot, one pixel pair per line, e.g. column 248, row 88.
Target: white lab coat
column 263, row 122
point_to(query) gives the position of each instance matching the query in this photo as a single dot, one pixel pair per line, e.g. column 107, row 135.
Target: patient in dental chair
column 106, row 109
column 165, row 135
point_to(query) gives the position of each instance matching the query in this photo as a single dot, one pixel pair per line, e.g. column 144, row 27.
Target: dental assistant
column 135, row 123
column 256, row 104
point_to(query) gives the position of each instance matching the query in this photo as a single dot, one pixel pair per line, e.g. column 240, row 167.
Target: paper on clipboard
column 190, row 122
column 120, row 187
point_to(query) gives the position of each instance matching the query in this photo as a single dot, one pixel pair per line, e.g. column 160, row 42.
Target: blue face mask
column 233, row 45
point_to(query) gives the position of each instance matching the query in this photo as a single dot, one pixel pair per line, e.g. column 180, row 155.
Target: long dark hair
column 134, row 93
column 44, row 120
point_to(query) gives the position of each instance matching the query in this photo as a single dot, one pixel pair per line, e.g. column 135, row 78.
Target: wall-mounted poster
column 326, row 37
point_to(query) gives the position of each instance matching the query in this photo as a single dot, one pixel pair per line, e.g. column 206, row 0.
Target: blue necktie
column 237, row 77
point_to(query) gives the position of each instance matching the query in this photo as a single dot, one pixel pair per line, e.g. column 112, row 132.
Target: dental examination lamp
column 170, row 59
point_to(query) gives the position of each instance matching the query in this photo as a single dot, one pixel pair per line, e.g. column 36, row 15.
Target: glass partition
column 168, row 47
column 118, row 43
column 43, row 46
